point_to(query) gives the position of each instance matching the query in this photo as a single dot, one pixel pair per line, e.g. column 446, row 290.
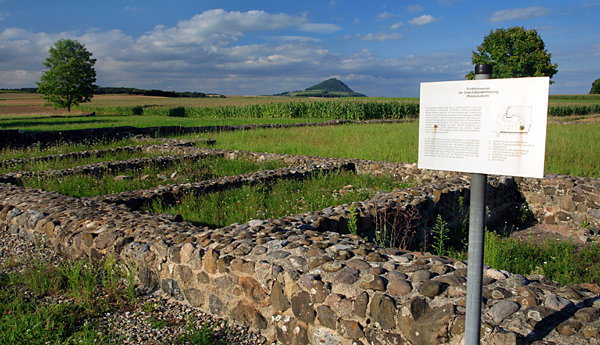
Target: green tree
column 514, row 53
column 70, row 77
column 595, row 87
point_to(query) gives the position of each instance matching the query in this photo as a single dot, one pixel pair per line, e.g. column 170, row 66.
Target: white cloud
column 319, row 28
column 447, row 3
column 380, row 36
column 422, row 20
column 218, row 26
column 204, row 54
column 303, row 39
column 385, row 15
column 415, row 8
column 4, row 15
column 519, row 14
column 397, row 25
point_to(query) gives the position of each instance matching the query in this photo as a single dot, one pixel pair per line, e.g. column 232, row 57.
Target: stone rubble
column 303, row 279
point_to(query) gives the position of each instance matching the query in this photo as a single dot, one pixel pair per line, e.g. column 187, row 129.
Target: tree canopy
column 70, row 77
column 514, row 52
column 595, row 87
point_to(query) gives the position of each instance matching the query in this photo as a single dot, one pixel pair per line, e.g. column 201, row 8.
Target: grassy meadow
column 27, row 112
column 152, row 175
column 571, row 149
column 279, row 199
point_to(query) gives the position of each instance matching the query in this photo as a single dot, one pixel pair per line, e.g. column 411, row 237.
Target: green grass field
column 79, row 122
column 570, row 149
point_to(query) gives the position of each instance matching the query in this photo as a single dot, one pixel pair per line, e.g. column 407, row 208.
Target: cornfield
column 328, row 110
column 348, row 110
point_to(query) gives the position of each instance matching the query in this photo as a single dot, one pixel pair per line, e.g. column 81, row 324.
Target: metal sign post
column 476, row 243
column 480, row 127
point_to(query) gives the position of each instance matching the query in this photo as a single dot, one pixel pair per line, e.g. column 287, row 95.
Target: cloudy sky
column 261, row 47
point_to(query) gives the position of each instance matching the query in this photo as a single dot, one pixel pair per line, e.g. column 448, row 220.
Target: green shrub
column 176, row 112
column 137, row 110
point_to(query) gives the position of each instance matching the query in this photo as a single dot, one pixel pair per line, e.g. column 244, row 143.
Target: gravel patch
column 156, row 319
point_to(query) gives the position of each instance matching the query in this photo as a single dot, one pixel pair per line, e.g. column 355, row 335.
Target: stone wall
column 303, row 279
column 564, row 200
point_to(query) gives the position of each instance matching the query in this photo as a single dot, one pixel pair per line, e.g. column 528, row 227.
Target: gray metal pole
column 476, row 241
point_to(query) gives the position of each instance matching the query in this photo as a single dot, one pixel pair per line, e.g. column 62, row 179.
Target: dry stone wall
column 303, row 279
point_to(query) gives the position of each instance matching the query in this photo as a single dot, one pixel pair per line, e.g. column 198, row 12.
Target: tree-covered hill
column 328, row 88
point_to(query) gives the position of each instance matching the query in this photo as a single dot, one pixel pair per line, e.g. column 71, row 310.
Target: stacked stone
column 564, row 200
column 298, row 282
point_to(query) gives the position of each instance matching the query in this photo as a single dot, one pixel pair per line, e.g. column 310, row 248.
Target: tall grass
column 187, row 171
column 280, row 199
column 563, row 262
column 381, row 142
column 570, row 150
column 40, row 151
column 26, row 317
column 573, row 149
column 70, row 162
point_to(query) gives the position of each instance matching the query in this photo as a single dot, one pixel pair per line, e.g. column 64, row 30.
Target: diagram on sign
column 514, row 120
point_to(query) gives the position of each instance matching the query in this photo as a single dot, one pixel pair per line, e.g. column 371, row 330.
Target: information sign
column 490, row 126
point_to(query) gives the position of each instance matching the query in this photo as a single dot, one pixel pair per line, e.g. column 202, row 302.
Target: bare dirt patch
column 26, row 104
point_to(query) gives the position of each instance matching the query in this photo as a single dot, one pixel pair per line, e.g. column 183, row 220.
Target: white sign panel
column 490, row 126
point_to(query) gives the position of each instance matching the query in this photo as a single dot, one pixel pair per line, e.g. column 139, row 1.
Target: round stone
column 332, row 266
column 348, row 276
column 431, row 288
column 399, row 287
column 372, row 282
column 393, row 275
column 421, row 276
column 377, row 270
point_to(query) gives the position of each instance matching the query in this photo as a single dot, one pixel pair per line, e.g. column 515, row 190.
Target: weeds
column 524, row 215
column 352, row 221
column 197, row 336
column 395, row 227
column 157, row 323
column 85, row 290
column 440, row 236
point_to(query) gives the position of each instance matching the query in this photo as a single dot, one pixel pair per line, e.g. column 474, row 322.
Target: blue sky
column 260, row 47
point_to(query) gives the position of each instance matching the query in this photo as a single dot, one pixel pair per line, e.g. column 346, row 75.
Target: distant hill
column 328, row 88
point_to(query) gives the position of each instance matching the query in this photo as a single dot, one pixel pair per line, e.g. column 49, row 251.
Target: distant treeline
column 23, row 89
column 155, row 93
column 131, row 91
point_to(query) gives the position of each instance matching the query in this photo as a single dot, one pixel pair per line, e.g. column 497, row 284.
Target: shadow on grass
column 27, row 124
